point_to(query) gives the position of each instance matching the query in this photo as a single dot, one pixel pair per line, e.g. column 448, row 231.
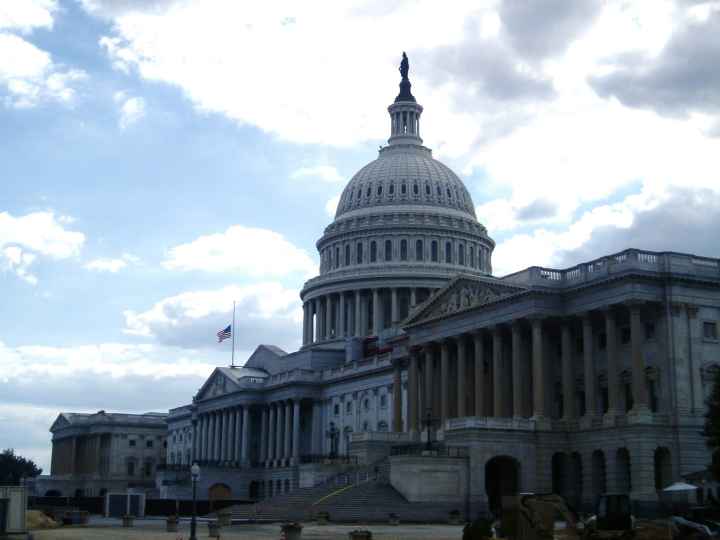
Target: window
column 652, row 394
column 448, row 253
column 379, row 190
column 403, row 188
column 132, row 442
column 359, row 194
column 388, row 250
column 439, row 191
column 366, row 426
column 373, row 251
column 602, row 341
column 149, row 444
column 427, row 189
column 148, row 468
column 434, row 251
column 347, row 255
column 419, row 250
column 383, row 401
column 131, row 468
column 359, row 253
column 403, row 250
column 348, row 407
column 415, row 189
column 382, row 426
column 447, row 190
column 336, row 409
column 337, row 257
column 628, row 397
column 649, row 331
column 392, row 189
column 366, row 404
column 369, row 190
column 472, row 257
column 461, row 255
column 710, row 330
column 625, row 335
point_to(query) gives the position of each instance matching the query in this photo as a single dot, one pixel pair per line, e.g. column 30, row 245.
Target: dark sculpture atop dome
column 405, row 94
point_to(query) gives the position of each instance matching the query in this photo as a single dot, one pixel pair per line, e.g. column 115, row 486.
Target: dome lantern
column 405, row 112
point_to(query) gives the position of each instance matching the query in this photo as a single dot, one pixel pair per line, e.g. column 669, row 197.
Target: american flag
column 225, row 333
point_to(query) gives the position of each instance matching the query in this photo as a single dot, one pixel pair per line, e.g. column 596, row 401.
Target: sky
column 162, row 158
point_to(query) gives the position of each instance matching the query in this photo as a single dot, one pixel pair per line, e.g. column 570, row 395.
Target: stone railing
column 490, row 422
column 630, row 259
column 294, row 375
column 358, row 366
column 380, row 436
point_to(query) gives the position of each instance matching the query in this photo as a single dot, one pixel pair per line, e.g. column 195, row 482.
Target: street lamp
column 332, row 434
column 428, row 423
column 195, row 475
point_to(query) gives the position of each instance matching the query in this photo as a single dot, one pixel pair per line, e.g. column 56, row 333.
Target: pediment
column 463, row 293
column 60, row 422
column 217, row 384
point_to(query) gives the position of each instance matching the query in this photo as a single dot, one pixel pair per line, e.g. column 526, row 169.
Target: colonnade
column 356, row 313
column 280, row 433
column 515, row 382
column 223, row 435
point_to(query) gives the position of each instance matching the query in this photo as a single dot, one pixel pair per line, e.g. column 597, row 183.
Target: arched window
column 472, row 257
column 415, row 189
column 347, row 254
column 449, row 195
column 419, row 250
column 337, row 257
column 373, row 251
column 379, row 190
column 448, row 253
column 427, row 189
column 388, row 250
column 392, row 189
column 439, row 191
column 461, row 254
column 359, row 194
column 434, row 251
column 403, row 250
column 359, row 253
column 403, row 188
column 369, row 190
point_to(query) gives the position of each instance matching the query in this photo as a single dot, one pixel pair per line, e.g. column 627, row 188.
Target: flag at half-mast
column 225, row 333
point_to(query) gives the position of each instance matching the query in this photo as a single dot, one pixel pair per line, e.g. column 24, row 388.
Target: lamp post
column 195, row 475
column 428, row 423
column 332, row 434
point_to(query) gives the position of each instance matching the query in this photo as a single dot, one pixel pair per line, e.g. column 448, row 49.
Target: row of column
column 222, row 436
column 510, row 388
column 280, row 433
column 340, row 315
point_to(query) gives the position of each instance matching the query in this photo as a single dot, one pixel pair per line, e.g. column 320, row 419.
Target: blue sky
column 162, row 158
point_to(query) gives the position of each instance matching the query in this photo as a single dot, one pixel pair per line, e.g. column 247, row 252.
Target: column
column 397, row 399
column 612, row 370
column 245, row 442
column 328, row 317
column 365, row 318
column 279, row 426
column 461, row 365
column 239, row 433
column 498, row 394
column 538, row 367
column 287, row 433
column 394, row 306
column 271, row 433
column 358, row 314
column 195, row 442
column 640, row 396
column 205, row 437
column 479, row 374
column 340, row 327
column 318, row 321
column 589, row 365
column 412, row 393
column 316, row 446
column 305, row 323
column 296, row 432
column 568, row 374
column 377, row 314
column 210, row 436
column 427, row 380
column 444, row 382
column 218, row 436
column 263, row 434
column 517, row 370
column 199, row 449
column 226, row 435
column 413, row 297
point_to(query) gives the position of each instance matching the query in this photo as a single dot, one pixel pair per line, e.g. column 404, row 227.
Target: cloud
column 26, row 15
column 501, row 214
column 265, row 313
column 682, row 79
column 112, row 265
column 131, row 110
column 331, row 206
column 29, row 76
column 248, row 250
column 24, row 238
column 326, row 173
column 115, row 8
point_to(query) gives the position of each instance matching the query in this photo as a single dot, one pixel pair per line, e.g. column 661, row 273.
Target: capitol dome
column 405, row 225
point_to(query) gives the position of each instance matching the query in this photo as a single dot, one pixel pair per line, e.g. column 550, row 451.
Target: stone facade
column 96, row 453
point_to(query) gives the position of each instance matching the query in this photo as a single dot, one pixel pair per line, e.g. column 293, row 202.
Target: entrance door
column 502, row 475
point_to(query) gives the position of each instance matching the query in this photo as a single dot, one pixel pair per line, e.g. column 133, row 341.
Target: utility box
column 13, row 505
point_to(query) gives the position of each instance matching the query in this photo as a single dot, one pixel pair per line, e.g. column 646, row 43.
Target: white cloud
column 25, row 15
column 331, row 206
column 131, row 110
column 29, row 75
column 251, row 251
column 112, row 265
column 326, row 173
column 265, row 313
column 24, row 238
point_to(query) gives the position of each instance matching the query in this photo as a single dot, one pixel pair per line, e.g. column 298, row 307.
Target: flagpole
column 232, row 362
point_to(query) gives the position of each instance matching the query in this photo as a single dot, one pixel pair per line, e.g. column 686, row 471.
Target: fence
column 153, row 507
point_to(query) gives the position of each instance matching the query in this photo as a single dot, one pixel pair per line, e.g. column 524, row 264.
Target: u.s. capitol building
column 578, row 381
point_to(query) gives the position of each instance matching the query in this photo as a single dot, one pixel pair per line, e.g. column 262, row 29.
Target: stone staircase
column 362, row 495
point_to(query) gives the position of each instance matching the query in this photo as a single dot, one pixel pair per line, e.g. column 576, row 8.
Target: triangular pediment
column 463, row 293
column 216, row 385
column 60, row 422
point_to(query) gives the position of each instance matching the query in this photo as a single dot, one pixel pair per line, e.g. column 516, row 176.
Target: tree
column 712, row 426
column 14, row 467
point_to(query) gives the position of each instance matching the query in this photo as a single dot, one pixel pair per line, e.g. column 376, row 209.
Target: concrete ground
column 109, row 529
